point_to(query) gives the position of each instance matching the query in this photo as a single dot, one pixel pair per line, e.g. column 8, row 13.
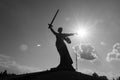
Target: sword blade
column 54, row 17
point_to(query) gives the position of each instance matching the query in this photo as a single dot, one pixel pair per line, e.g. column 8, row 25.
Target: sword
column 53, row 18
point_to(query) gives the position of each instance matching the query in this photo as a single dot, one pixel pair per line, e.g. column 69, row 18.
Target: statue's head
column 60, row 29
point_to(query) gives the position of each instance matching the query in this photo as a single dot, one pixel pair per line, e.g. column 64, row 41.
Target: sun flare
column 82, row 32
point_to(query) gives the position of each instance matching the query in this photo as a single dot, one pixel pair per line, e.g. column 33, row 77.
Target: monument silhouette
column 65, row 59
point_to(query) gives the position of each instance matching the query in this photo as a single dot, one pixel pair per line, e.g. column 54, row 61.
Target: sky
column 27, row 45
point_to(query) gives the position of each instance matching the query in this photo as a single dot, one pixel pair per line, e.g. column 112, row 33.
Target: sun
column 82, row 32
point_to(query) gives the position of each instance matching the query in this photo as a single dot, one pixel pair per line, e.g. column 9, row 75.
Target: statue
column 65, row 59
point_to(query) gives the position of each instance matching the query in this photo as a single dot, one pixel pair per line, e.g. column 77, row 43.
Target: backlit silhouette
column 65, row 59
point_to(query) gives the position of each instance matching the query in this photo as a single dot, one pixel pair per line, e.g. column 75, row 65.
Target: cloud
column 86, row 52
column 8, row 63
column 26, row 69
column 86, row 71
column 114, row 54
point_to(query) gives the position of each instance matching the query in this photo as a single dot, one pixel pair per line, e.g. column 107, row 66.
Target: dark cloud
column 86, row 52
column 7, row 63
column 114, row 54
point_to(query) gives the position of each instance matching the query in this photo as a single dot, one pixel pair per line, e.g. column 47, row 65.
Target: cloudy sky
column 27, row 45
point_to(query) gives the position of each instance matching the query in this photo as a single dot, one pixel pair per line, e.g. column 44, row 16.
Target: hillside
column 57, row 75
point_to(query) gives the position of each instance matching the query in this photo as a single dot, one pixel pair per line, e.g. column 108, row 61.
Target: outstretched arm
column 52, row 30
column 69, row 34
